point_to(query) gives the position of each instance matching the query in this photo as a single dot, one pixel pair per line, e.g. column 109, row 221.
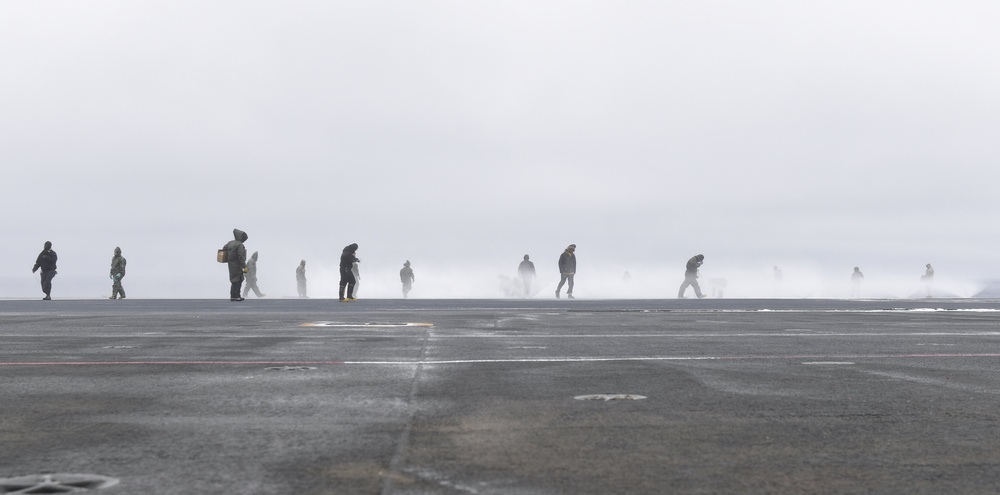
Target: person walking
column 300, row 279
column 407, row 278
column 567, row 270
column 691, row 276
column 357, row 277
column 347, row 259
column 928, row 278
column 46, row 261
column 236, row 255
column 856, row 278
column 117, row 274
column 526, row 272
column 252, row 277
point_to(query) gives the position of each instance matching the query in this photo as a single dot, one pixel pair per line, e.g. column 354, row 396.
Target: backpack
column 223, row 256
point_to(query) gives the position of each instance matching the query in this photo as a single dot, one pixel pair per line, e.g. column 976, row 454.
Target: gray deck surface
column 479, row 396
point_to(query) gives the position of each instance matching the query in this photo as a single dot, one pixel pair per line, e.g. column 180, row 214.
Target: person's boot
column 557, row 293
column 342, row 294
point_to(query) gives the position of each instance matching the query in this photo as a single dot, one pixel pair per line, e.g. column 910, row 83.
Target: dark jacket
column 692, row 265
column 237, row 255
column 118, row 264
column 347, row 258
column 406, row 274
column 46, row 261
column 527, row 269
column 567, row 262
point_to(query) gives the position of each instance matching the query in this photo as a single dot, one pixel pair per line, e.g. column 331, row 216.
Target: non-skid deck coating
column 481, row 397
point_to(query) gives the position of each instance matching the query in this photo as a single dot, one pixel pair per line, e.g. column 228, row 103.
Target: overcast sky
column 815, row 135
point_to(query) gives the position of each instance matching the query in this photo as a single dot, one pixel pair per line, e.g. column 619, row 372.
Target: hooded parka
column 237, row 256
column 117, row 274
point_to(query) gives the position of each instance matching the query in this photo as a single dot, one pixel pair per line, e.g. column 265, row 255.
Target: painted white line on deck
column 555, row 359
column 501, row 334
column 365, row 325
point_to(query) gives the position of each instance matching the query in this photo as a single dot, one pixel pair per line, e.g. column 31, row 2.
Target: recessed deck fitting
column 55, row 483
column 606, row 397
column 290, row 368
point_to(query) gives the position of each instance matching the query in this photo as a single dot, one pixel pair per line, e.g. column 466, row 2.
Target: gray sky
column 462, row 135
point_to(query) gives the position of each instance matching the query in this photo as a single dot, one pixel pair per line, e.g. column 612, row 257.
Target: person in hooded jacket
column 252, row 277
column 117, row 274
column 347, row 280
column 237, row 255
column 47, row 262
column 567, row 268
column 300, row 278
column 691, row 276
column 407, row 278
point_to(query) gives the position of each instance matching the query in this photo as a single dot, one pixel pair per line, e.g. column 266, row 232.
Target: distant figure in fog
column 407, row 278
column 300, row 278
column 928, row 278
column 691, row 276
column 117, row 274
column 46, row 260
column 347, row 281
column 856, row 278
column 252, row 277
column 717, row 286
column 777, row 275
column 357, row 277
column 567, row 270
column 627, row 277
column 236, row 255
column 526, row 271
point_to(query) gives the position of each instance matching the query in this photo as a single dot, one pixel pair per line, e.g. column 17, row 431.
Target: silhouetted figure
column 691, row 276
column 627, row 277
column 407, row 278
column 347, row 280
column 237, row 260
column 526, row 271
column 357, row 277
column 567, row 269
column 252, row 277
column 777, row 275
column 300, row 278
column 718, row 287
column 928, row 278
column 117, row 274
column 856, row 278
column 47, row 262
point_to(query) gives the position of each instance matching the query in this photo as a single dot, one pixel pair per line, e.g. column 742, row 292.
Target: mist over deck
column 503, row 396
